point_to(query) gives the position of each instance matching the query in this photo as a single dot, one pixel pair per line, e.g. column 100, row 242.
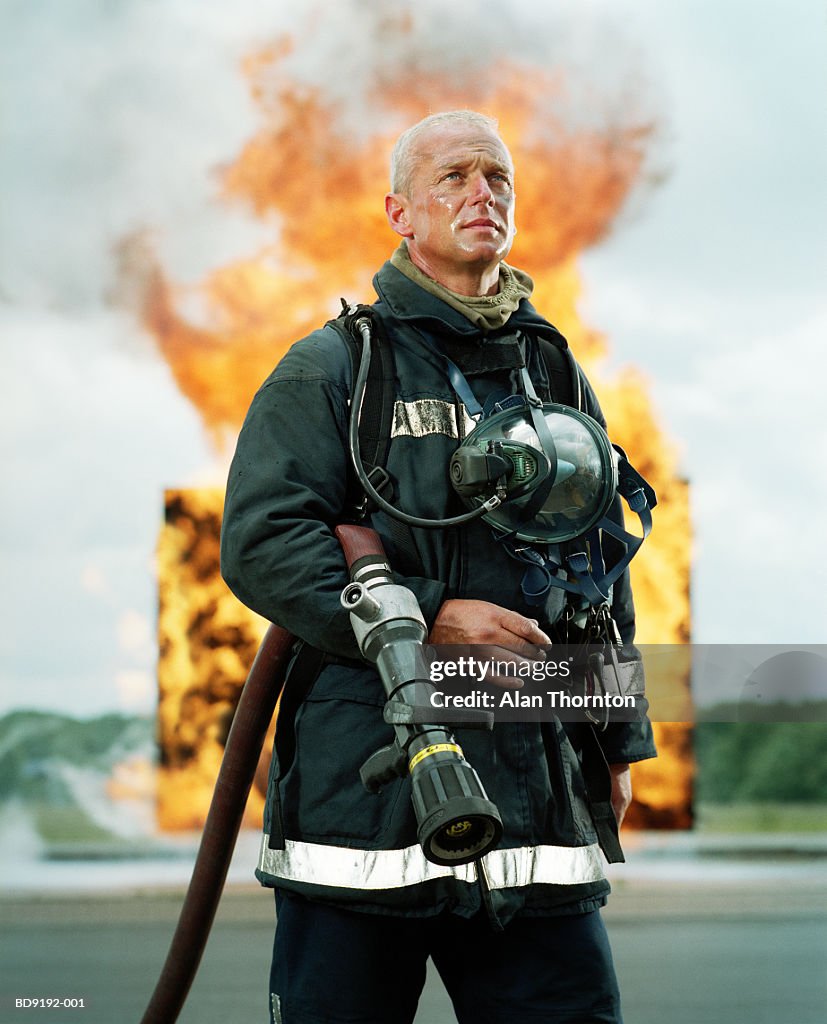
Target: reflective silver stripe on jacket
column 555, row 865
column 345, row 868
column 428, row 416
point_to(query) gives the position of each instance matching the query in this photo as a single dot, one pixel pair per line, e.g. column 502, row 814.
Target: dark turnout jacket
column 289, row 486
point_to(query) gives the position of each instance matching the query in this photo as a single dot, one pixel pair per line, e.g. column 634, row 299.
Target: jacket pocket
column 300, row 677
column 571, row 815
column 320, row 794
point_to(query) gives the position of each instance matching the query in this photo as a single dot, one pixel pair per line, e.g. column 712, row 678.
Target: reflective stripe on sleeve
column 345, row 868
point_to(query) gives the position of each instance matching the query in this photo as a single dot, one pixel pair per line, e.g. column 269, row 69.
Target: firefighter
column 516, row 935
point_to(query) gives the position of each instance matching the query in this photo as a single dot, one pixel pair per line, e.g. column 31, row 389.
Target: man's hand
column 480, row 622
column 507, row 635
column 621, row 790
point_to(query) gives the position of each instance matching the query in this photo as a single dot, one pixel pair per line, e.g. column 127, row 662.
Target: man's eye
column 451, row 175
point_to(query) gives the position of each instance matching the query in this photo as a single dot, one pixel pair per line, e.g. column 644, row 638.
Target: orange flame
column 323, row 186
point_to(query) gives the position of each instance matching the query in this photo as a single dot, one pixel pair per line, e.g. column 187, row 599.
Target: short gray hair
column 402, row 163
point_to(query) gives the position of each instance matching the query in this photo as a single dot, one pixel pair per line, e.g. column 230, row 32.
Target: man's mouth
column 482, row 222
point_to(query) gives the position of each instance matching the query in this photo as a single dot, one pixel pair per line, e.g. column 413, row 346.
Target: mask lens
column 585, row 478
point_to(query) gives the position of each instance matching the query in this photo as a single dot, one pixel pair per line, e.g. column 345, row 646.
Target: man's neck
column 473, row 281
column 488, row 312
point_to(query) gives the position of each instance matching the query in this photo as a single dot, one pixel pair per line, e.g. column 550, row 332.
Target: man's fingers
column 621, row 790
column 509, row 668
column 524, row 649
column 506, row 682
column 504, row 671
column 523, row 628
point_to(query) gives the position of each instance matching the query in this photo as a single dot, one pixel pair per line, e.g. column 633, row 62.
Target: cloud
column 89, row 435
column 113, row 119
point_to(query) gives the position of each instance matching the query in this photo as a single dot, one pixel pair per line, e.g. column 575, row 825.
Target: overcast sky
column 115, row 118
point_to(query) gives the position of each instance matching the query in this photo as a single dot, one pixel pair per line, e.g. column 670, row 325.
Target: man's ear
column 396, row 208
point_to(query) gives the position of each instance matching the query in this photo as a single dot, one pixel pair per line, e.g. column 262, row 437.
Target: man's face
column 459, row 216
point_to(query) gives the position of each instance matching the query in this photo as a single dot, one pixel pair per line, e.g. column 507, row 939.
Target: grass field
column 761, row 817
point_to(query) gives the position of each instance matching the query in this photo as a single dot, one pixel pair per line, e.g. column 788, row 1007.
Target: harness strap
column 377, row 407
column 586, row 565
column 564, row 383
column 463, row 389
column 547, row 446
column 375, row 428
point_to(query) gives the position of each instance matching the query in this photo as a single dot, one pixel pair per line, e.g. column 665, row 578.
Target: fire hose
column 456, row 821
column 235, row 777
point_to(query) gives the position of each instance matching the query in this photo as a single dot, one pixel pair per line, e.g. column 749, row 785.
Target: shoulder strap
column 375, row 427
column 561, row 369
column 376, row 420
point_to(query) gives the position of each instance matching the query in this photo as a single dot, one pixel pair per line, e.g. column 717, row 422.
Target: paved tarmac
column 739, row 941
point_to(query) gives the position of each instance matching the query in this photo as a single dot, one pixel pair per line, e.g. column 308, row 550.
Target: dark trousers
column 332, row 965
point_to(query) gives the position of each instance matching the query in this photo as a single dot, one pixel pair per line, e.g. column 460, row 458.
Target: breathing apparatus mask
column 544, row 476
column 550, row 492
column 558, row 477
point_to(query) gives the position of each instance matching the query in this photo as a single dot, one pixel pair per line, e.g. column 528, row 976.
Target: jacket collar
column 408, row 302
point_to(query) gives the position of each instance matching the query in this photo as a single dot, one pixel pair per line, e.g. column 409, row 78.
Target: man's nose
column 481, row 190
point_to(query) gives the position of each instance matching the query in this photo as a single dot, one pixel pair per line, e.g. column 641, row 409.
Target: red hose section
column 244, row 742
column 358, row 542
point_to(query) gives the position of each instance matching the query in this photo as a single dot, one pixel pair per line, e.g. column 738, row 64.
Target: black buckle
column 381, row 482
